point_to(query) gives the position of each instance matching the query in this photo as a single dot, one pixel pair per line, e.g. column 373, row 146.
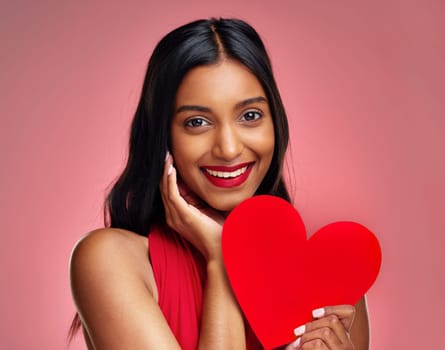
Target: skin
column 111, row 277
column 226, row 123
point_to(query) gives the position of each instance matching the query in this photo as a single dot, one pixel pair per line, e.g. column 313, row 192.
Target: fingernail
column 296, row 343
column 170, row 169
column 317, row 313
column 300, row 330
column 166, row 155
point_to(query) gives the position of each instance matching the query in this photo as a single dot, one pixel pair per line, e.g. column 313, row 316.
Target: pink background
column 363, row 83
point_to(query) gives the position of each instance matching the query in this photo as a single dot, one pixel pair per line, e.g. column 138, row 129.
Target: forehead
column 227, row 81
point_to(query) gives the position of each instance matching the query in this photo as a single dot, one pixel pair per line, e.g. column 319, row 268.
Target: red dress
column 179, row 271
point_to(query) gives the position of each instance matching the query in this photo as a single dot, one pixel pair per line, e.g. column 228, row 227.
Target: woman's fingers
column 175, row 205
column 170, row 216
column 345, row 313
column 176, row 194
column 167, row 164
column 330, row 329
column 315, row 344
column 327, row 330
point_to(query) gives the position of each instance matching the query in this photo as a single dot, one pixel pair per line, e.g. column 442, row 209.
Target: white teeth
column 227, row 174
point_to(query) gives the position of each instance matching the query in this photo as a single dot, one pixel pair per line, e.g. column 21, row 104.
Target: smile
column 225, row 174
column 222, row 176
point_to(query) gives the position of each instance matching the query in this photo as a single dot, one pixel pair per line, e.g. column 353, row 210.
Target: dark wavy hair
column 134, row 202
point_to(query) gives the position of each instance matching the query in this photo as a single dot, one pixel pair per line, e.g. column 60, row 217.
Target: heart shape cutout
column 279, row 276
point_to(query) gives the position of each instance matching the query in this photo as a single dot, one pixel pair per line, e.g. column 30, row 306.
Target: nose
column 228, row 144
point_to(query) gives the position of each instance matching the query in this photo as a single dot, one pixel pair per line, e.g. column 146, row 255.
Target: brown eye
column 251, row 116
column 196, row 122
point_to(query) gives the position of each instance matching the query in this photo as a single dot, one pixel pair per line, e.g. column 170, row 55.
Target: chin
column 226, row 205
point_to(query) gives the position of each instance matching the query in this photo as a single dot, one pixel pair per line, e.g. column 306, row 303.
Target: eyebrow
column 239, row 105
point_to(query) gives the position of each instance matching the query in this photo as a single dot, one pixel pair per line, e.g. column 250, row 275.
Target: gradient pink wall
column 364, row 88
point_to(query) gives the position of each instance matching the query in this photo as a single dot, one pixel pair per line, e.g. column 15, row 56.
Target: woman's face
column 222, row 134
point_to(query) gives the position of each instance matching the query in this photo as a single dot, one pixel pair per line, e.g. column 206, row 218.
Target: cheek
column 180, row 147
column 269, row 140
column 185, row 154
column 266, row 148
column 188, row 148
column 263, row 142
column 268, row 144
column 182, row 160
column 268, row 155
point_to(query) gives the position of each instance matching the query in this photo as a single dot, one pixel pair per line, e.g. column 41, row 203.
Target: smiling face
column 222, row 134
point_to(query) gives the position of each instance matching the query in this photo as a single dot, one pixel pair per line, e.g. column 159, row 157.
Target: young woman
column 209, row 131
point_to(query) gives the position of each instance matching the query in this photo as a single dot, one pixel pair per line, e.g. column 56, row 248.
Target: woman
column 209, row 131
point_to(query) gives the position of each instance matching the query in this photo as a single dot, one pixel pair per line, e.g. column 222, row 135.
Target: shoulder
column 109, row 244
column 115, row 294
column 109, row 253
column 108, row 240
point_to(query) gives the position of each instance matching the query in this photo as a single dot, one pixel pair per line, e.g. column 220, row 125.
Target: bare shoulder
column 115, row 294
column 104, row 239
column 109, row 251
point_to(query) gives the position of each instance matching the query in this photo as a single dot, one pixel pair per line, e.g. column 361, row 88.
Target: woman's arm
column 222, row 325
column 114, row 291
column 360, row 328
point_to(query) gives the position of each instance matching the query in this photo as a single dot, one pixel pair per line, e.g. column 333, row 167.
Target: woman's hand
column 222, row 324
column 330, row 330
column 188, row 215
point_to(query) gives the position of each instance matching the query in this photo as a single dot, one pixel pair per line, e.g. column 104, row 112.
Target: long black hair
column 134, row 202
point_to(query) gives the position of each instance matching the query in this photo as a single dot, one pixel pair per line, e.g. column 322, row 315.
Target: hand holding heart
column 330, row 330
column 279, row 277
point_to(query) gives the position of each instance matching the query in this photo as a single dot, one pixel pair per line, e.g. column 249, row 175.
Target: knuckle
column 333, row 320
column 318, row 344
column 313, row 345
column 305, row 339
column 326, row 332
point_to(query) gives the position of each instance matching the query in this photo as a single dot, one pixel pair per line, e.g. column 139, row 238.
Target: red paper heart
column 279, row 277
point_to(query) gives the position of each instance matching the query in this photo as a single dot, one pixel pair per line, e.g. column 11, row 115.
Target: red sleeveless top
column 179, row 272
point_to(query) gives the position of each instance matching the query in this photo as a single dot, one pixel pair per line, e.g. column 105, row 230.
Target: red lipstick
column 227, row 176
